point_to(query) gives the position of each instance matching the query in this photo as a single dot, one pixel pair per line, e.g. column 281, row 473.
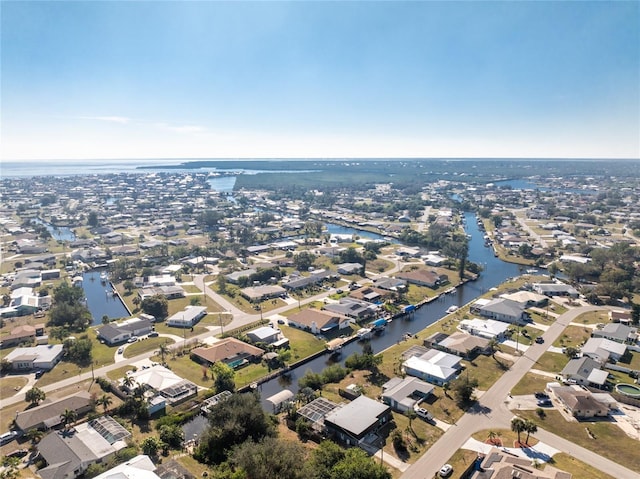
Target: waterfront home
column 485, row 328
column 43, row 357
column 264, row 334
column 555, row 289
column 318, row 321
column 458, row 343
column 353, row 308
column 231, row 351
column 423, row 277
column 358, row 420
column 403, row 394
column 188, row 317
column 160, row 381
column 502, row 309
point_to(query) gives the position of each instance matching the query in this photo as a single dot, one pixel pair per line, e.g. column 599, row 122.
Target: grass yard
column 568, row 463
column 116, row 374
column 184, row 333
column 184, row 367
column 487, row 370
column 145, row 345
column 551, row 362
column 608, row 438
column 530, row 384
column 301, row 343
column 461, row 460
column 574, row 336
column 593, row 317
column 10, row 385
column 190, row 288
column 250, row 373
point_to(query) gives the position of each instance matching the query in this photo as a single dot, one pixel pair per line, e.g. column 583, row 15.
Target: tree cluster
column 68, row 310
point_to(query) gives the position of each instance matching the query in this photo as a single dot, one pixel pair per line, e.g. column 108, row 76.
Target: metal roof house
column 403, row 394
column 353, row 422
column 187, row 318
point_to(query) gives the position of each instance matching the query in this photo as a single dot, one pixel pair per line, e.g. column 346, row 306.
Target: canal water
column 59, row 233
column 100, row 301
column 495, row 272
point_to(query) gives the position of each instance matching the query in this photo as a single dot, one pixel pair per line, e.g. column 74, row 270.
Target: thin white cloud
column 111, row 119
column 186, row 129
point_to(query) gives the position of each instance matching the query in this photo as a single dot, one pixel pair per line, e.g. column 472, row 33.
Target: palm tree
column 517, row 425
column 128, row 382
column 163, row 349
column 491, row 436
column 411, row 414
column 530, row 428
column 68, row 417
column 105, row 401
column 445, row 389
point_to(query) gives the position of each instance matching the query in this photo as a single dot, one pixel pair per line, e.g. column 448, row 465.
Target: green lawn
column 63, row 370
column 593, row 317
column 119, row 373
column 486, row 370
column 609, row 438
column 573, row 336
column 301, row 343
column 184, row 367
column 579, row 469
column 145, row 345
column 551, row 362
column 530, row 384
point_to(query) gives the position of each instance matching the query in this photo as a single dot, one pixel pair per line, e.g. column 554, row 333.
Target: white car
column 446, row 470
column 423, row 413
column 120, row 350
column 132, row 339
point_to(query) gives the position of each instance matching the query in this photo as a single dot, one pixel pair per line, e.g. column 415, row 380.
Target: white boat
column 363, row 333
column 452, row 309
column 103, row 277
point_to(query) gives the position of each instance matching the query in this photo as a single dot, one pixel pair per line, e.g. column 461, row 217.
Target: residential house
column 256, row 294
column 620, row 317
column 315, row 277
column 235, row 277
column 20, row 334
column 68, row 454
column 585, row 371
column 580, row 403
column 603, row 350
column 264, row 334
column 353, row 308
column 318, row 321
column 390, row 284
column 139, row 467
column 436, row 367
column 458, row 343
column 169, row 292
column 47, row 415
column 485, row 328
column 500, row 464
column 231, row 351
column 43, row 357
column 527, row 298
column 423, row 277
column 349, row 268
column 555, row 289
column 188, row 317
column 114, row 333
column 403, row 394
column 618, row 332
column 353, row 422
column 504, row 310
column 158, row 380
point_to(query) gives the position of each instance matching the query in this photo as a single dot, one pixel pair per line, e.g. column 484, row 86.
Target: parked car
column 132, row 339
column 423, row 413
column 539, row 340
column 446, row 470
column 544, row 402
column 18, row 453
column 541, row 395
column 7, row 437
column 120, row 350
column 154, row 334
column 39, row 373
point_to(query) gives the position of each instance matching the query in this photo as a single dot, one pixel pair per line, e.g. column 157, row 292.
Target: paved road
column 491, row 412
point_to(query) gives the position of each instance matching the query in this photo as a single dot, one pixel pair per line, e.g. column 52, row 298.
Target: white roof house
column 188, row 317
column 434, row 366
column 140, row 467
column 603, row 349
column 37, row 357
column 485, row 328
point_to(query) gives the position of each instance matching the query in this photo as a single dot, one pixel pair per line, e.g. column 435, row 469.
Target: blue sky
column 88, row 79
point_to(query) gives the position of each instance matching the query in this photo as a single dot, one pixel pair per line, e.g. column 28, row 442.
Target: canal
column 495, row 272
column 100, row 301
